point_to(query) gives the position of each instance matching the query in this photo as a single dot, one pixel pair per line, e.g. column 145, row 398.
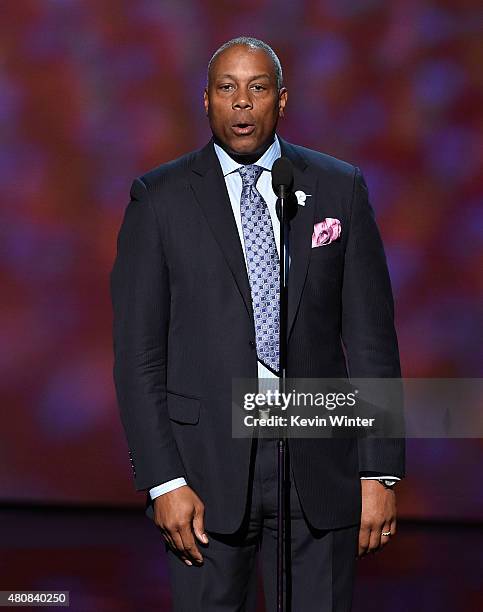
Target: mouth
column 243, row 129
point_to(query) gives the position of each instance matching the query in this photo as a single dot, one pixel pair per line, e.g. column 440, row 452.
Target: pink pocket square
column 325, row 232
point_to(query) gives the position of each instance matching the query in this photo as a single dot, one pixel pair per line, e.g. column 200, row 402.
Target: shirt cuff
column 379, row 478
column 166, row 487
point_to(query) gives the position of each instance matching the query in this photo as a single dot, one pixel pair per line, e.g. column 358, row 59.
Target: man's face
column 242, row 101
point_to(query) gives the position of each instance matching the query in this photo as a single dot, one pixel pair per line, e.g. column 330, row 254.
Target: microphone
column 282, row 183
column 282, row 176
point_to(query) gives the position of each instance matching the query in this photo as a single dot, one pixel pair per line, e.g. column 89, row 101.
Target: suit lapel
column 301, row 229
column 210, row 190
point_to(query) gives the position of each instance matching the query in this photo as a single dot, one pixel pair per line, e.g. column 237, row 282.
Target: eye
column 258, row 87
column 226, row 87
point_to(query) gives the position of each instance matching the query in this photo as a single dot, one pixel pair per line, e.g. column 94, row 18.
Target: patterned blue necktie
column 263, row 266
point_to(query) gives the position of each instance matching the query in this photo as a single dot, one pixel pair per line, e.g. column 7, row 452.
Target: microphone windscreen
column 282, row 174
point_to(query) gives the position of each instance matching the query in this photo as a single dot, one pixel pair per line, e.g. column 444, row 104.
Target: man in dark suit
column 194, row 308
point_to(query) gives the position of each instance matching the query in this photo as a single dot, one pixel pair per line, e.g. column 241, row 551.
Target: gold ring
column 386, row 533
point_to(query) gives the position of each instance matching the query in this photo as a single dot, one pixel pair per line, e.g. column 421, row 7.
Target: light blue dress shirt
column 233, row 182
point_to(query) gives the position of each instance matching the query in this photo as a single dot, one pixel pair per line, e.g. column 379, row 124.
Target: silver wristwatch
column 388, row 484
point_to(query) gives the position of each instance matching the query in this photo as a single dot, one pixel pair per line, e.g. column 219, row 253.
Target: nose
column 242, row 99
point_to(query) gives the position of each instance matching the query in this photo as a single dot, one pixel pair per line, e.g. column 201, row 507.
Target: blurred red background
column 94, row 93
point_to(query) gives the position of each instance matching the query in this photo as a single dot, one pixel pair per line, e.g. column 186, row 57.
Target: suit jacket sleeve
column 368, row 331
column 141, row 303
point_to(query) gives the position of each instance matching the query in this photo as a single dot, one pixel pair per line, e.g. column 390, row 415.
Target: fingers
column 375, row 539
column 198, row 524
column 180, row 540
column 384, row 539
column 167, row 537
column 378, row 516
column 179, row 547
column 371, row 539
column 364, row 537
column 189, row 545
column 186, row 543
column 178, row 514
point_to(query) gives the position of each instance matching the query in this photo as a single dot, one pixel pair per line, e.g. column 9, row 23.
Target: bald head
column 250, row 43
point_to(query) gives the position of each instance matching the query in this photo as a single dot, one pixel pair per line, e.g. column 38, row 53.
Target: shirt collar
column 266, row 161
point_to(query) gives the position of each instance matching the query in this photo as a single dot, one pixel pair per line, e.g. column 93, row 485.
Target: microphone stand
column 283, row 471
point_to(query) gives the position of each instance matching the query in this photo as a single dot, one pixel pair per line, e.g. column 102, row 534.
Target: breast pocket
column 326, row 252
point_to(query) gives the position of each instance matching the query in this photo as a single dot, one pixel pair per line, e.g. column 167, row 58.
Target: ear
column 206, row 101
column 282, row 101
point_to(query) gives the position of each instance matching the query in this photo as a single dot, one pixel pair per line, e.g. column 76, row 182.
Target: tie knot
column 250, row 174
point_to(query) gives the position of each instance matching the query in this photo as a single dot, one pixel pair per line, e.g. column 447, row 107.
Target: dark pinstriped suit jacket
column 183, row 328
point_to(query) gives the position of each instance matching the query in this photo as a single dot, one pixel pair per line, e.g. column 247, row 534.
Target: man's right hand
column 180, row 516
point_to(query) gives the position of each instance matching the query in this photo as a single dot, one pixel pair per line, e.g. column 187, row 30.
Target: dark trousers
column 319, row 574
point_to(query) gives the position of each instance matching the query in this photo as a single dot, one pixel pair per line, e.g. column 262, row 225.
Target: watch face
column 389, row 483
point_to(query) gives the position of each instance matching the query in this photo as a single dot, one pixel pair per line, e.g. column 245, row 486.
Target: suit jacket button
column 252, row 344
